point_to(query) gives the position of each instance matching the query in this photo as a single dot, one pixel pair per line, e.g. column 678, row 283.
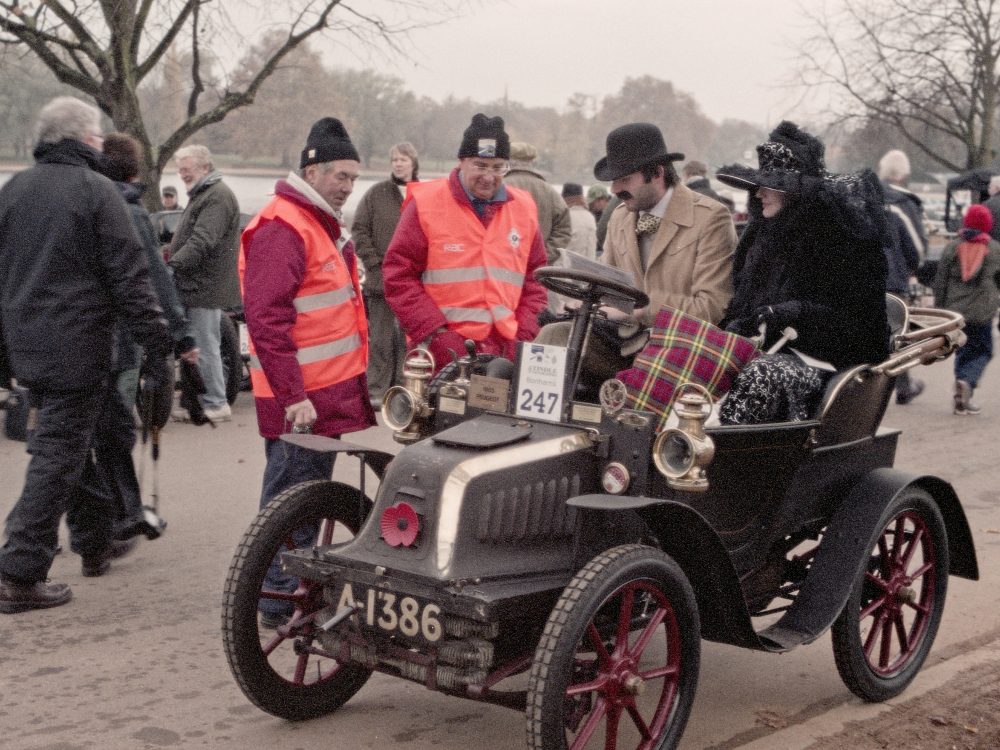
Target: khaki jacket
column 691, row 259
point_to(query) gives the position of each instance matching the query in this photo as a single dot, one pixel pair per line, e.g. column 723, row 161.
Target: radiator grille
column 529, row 512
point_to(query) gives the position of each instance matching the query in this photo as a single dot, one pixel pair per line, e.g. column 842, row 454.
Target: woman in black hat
column 810, row 258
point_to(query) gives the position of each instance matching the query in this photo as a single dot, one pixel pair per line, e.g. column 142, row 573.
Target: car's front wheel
column 617, row 664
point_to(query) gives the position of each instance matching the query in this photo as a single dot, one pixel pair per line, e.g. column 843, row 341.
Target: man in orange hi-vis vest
column 461, row 263
column 307, row 325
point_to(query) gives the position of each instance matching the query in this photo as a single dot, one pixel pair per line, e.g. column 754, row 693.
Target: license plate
column 244, row 339
column 392, row 612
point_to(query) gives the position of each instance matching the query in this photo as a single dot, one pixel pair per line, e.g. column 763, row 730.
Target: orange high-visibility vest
column 474, row 273
column 331, row 330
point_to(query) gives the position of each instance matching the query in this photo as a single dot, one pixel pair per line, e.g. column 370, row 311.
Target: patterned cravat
column 647, row 224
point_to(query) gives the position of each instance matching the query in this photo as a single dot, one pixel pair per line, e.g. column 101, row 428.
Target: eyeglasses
column 479, row 167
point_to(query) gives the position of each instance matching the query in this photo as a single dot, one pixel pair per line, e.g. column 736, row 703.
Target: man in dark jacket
column 70, row 267
column 203, row 256
column 695, row 175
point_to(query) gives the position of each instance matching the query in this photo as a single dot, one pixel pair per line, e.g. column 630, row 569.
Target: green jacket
column 205, row 249
column 978, row 298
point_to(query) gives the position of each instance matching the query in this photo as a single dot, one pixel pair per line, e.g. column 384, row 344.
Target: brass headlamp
column 681, row 453
column 405, row 406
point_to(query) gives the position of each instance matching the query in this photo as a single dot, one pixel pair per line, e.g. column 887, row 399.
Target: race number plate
column 540, row 381
column 392, row 612
column 244, row 339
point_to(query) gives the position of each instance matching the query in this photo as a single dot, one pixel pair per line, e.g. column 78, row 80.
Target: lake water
column 253, row 192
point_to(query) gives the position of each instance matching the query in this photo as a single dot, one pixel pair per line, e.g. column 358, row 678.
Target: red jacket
column 406, row 260
column 275, row 262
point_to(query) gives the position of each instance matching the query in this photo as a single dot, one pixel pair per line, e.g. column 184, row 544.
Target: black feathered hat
column 788, row 154
column 485, row 138
column 328, row 141
column 630, row 148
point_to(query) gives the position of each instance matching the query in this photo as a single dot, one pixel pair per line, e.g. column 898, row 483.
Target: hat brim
column 606, row 172
column 747, row 178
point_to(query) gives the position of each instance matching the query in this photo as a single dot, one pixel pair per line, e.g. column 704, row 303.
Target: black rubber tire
column 596, row 595
column 293, row 697
column 914, row 607
column 232, row 362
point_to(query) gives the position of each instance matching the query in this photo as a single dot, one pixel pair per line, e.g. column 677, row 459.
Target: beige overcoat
column 691, row 259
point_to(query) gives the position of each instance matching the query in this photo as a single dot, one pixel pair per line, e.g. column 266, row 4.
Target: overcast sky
column 734, row 57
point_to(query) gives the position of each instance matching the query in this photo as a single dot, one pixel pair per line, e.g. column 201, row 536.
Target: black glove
column 156, row 369
column 740, row 326
column 780, row 315
column 183, row 346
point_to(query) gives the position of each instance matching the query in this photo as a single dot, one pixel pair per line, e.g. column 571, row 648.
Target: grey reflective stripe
column 503, row 274
column 500, row 312
column 451, row 275
column 255, row 363
column 312, row 302
column 466, row 314
column 319, row 352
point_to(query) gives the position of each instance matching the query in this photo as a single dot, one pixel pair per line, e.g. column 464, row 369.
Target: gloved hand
column 740, row 326
column 445, row 346
column 156, row 369
column 780, row 315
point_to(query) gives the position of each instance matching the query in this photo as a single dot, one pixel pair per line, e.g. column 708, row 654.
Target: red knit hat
column 978, row 217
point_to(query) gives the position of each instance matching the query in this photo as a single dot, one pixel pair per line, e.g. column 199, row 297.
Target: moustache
column 624, row 195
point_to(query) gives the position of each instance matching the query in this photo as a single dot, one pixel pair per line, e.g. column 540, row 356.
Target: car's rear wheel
column 285, row 671
column 617, row 664
column 885, row 631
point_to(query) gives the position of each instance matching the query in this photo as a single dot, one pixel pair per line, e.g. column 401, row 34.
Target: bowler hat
column 630, row 148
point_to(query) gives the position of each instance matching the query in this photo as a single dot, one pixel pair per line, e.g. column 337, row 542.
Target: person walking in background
column 584, row 237
column 553, row 214
column 695, row 174
column 597, row 198
column 168, row 197
column 966, row 282
column 894, row 172
column 115, row 435
column 203, row 258
column 374, row 224
column 306, row 320
column 71, row 266
column 462, row 261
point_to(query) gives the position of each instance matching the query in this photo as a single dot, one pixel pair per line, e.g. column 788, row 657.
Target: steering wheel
column 588, row 285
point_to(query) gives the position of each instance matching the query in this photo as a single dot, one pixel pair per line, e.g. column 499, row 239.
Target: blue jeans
column 205, row 329
column 287, row 466
column 971, row 359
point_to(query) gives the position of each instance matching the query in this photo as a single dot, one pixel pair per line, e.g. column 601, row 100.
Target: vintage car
column 561, row 557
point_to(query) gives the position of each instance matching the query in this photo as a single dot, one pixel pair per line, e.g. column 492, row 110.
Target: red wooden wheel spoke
column 883, row 551
column 272, row 644
column 596, row 714
column 901, row 635
column 919, row 572
column 885, row 649
column 300, row 669
column 639, row 722
column 588, row 687
column 880, row 582
column 595, row 639
column 874, row 605
column 912, row 546
column 898, row 537
column 611, row 727
column 648, row 632
column 666, row 670
column 923, row 609
column 624, row 620
column 280, row 596
column 872, row 637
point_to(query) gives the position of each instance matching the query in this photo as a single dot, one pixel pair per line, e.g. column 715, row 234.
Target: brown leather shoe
column 19, row 597
column 98, row 565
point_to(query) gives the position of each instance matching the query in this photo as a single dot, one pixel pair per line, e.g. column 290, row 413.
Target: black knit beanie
column 485, row 138
column 327, row 141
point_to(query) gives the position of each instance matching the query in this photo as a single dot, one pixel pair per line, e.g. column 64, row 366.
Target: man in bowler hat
column 461, row 263
column 307, row 325
column 677, row 244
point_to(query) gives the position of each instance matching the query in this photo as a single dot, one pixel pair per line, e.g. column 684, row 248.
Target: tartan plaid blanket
column 683, row 348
